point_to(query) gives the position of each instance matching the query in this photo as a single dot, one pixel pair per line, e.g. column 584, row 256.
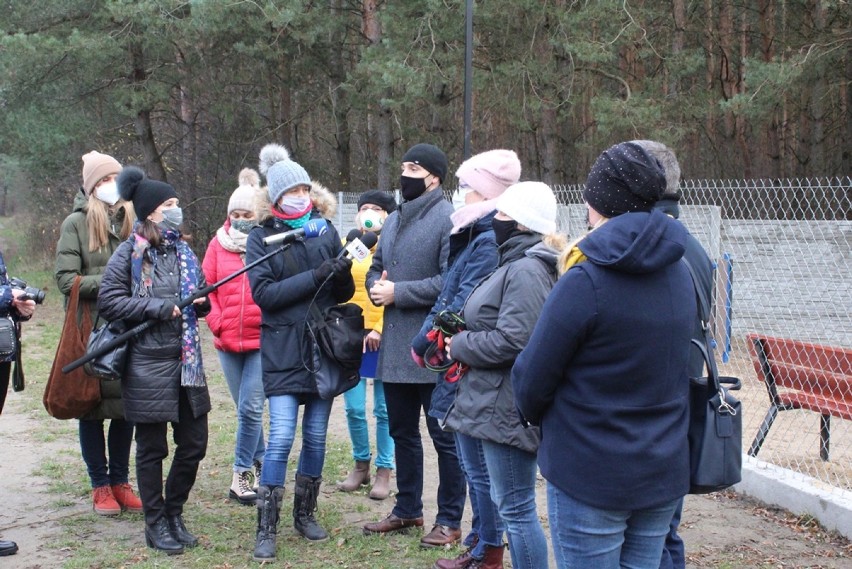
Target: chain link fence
column 783, row 250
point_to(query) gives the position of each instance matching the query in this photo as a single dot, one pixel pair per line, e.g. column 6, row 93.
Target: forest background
column 191, row 90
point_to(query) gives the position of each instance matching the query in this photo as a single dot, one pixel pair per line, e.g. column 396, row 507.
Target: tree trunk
column 144, row 130
column 383, row 116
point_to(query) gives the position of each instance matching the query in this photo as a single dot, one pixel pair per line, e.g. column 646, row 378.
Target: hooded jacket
column 73, row 258
column 234, row 317
column 283, row 287
column 500, row 315
column 605, row 371
column 413, row 250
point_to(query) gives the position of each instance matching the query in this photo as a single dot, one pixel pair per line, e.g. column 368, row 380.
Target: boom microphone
column 313, row 228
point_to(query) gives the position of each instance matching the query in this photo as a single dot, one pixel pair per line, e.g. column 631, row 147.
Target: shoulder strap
column 701, row 295
column 319, row 321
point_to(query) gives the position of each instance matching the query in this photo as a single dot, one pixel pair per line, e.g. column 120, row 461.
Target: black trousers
column 5, row 374
column 190, row 438
column 404, row 402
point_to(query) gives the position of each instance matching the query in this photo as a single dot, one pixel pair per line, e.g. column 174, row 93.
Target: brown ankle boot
column 493, row 559
column 381, row 485
column 359, row 476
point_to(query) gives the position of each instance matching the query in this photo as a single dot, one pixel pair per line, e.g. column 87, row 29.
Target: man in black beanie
column 405, row 278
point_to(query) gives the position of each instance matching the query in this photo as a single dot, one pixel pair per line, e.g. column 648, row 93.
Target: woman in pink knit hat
column 473, row 256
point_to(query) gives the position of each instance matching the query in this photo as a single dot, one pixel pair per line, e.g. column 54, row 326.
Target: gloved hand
column 342, row 267
column 337, row 266
column 417, row 359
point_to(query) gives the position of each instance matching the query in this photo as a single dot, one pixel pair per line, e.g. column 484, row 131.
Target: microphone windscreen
column 315, row 227
column 369, row 239
column 353, row 235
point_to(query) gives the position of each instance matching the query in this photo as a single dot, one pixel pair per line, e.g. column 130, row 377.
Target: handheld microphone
column 313, row 228
column 356, row 248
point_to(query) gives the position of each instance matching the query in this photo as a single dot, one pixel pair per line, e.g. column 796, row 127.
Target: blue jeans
column 584, row 536
column 487, row 523
column 512, row 472
column 355, row 403
column 245, row 382
column 674, row 556
column 94, row 451
column 283, row 415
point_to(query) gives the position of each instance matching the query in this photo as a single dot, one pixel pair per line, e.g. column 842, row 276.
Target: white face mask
column 370, row 220
column 459, row 196
column 107, row 193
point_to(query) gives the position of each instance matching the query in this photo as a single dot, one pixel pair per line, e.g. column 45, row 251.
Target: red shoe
column 103, row 502
column 126, row 498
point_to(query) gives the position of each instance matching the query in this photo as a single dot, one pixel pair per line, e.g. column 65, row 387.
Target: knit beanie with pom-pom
column 245, row 196
column 145, row 194
column 281, row 172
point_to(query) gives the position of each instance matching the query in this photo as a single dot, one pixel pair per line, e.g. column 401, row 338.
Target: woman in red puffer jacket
column 234, row 320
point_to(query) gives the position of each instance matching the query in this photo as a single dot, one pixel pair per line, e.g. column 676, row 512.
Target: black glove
column 342, row 268
column 338, row 266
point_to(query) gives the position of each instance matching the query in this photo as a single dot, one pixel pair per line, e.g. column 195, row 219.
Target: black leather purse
column 715, row 417
column 109, row 365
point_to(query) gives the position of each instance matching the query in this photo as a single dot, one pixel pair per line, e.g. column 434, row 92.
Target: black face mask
column 504, row 230
column 411, row 188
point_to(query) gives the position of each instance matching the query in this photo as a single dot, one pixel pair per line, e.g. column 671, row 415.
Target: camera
column 30, row 292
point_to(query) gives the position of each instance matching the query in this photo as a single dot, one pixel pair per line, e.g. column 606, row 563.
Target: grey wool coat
column 413, row 250
column 500, row 315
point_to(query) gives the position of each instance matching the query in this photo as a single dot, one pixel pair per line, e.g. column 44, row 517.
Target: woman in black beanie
column 611, row 395
column 145, row 279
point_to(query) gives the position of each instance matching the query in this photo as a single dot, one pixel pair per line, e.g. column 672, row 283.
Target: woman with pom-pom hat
column 164, row 381
column 310, row 271
column 234, row 320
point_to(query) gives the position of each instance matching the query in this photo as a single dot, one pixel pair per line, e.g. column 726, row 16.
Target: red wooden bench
column 801, row 375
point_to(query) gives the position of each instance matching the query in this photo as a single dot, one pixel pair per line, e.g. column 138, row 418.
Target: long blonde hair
column 97, row 220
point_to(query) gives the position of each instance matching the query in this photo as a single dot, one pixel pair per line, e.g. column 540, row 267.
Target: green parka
column 74, row 258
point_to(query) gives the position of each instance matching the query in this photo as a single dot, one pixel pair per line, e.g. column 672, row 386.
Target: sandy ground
column 721, row 530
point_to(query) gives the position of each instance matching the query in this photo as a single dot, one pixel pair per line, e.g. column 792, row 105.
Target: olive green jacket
column 74, row 258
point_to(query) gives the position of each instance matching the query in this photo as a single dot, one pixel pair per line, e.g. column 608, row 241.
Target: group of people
column 568, row 359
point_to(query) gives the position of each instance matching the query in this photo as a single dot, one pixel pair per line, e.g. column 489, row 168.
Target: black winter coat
column 151, row 384
column 284, row 297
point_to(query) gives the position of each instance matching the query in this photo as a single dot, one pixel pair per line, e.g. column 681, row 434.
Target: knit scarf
column 232, row 240
column 142, row 268
column 471, row 213
column 294, row 222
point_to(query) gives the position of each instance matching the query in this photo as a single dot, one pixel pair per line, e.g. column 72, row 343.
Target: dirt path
column 720, row 530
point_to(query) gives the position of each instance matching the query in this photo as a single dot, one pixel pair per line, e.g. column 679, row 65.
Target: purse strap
column 706, row 348
column 74, row 305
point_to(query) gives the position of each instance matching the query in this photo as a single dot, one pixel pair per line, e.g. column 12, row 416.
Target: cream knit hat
column 245, row 196
column 96, row 167
column 531, row 204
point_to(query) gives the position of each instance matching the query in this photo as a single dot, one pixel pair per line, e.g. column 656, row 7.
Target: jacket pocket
column 282, row 348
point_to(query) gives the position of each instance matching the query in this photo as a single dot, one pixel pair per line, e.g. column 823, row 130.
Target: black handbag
column 109, row 365
column 715, row 417
column 338, row 332
column 715, row 431
column 8, row 337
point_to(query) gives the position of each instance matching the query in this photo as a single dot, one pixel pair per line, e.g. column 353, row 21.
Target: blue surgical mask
column 172, row 219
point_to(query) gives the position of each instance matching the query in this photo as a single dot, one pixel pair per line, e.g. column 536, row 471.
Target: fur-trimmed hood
column 322, row 198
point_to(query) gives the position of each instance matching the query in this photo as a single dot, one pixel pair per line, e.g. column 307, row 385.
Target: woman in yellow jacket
column 373, row 207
